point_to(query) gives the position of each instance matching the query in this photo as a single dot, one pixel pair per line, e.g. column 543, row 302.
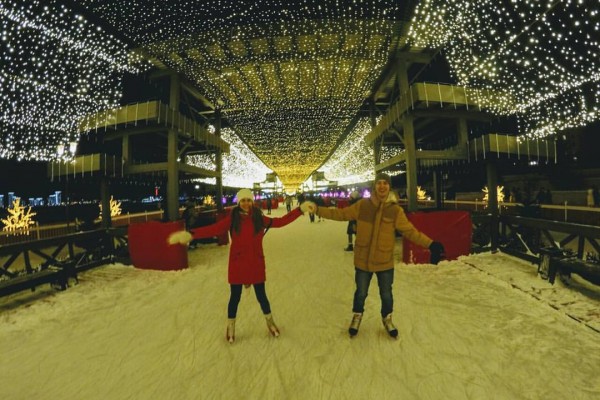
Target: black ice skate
column 355, row 324
column 389, row 326
column 350, row 247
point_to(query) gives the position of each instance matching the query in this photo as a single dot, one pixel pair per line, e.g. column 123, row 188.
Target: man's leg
column 385, row 279
column 362, row 279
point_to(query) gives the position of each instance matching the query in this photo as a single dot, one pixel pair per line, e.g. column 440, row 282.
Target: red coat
column 246, row 256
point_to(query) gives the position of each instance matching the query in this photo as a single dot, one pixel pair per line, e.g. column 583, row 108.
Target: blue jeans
column 384, row 279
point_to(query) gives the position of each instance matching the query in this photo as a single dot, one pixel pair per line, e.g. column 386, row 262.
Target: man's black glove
column 437, row 251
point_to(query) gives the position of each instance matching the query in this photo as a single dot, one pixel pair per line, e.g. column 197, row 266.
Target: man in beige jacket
column 378, row 218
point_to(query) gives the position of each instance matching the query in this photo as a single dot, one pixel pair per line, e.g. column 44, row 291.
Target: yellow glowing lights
column 499, row 193
column 19, row 218
column 115, row 208
column 289, row 76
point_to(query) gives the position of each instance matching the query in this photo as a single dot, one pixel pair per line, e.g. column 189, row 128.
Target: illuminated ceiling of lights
column 55, row 67
column 288, row 76
column 544, row 54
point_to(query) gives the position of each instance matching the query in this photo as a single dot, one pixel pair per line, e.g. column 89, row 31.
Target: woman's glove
column 437, row 251
column 181, row 237
column 308, row 206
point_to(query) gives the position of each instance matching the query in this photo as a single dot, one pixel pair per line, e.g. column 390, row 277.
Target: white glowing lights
column 55, row 68
column 241, row 167
column 352, row 162
column 545, row 54
column 289, row 76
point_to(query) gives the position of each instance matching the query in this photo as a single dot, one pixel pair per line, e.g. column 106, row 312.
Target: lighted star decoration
column 421, row 193
column 55, row 67
column 19, row 218
column 499, row 193
column 545, row 54
column 209, row 201
column 115, row 207
column 289, row 76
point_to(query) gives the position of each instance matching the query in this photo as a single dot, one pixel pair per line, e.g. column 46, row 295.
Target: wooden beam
column 145, row 168
column 453, row 114
column 200, row 172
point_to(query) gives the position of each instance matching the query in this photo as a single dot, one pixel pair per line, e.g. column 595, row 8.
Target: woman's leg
column 261, row 296
column 234, row 300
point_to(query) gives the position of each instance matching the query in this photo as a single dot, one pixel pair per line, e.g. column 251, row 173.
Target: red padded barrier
column 452, row 228
column 343, row 203
column 148, row 247
column 274, row 204
column 222, row 239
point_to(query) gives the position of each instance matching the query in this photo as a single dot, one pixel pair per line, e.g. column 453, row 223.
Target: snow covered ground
column 482, row 327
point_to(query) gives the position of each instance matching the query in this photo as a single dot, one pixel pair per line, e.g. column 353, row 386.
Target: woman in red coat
column 247, row 226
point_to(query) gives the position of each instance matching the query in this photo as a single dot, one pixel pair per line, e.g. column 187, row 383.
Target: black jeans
column 236, row 295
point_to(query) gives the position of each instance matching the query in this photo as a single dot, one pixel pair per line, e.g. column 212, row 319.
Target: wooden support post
column 105, row 200
column 409, row 140
column 126, row 150
column 462, row 132
column 411, row 162
column 492, row 184
column 219, row 162
column 172, row 154
column 437, row 189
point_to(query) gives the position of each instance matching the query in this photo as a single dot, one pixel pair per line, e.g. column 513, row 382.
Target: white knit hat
column 244, row 194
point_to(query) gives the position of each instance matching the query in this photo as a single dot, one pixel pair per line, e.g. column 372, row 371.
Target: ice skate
column 350, row 247
column 271, row 325
column 389, row 326
column 355, row 324
column 230, row 333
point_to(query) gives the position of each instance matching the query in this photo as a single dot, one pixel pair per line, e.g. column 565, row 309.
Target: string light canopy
column 288, row 76
column 55, row 68
column 545, row 54
column 352, row 161
column 240, row 167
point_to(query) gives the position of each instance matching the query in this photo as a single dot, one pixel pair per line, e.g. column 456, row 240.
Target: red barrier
column 343, row 203
column 148, row 247
column 222, row 239
column 274, row 204
column 452, row 228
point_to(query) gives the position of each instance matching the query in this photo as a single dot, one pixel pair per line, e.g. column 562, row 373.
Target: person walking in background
column 377, row 218
column 319, row 202
column 269, row 205
column 351, row 228
column 247, row 227
column 311, row 214
column 289, row 200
